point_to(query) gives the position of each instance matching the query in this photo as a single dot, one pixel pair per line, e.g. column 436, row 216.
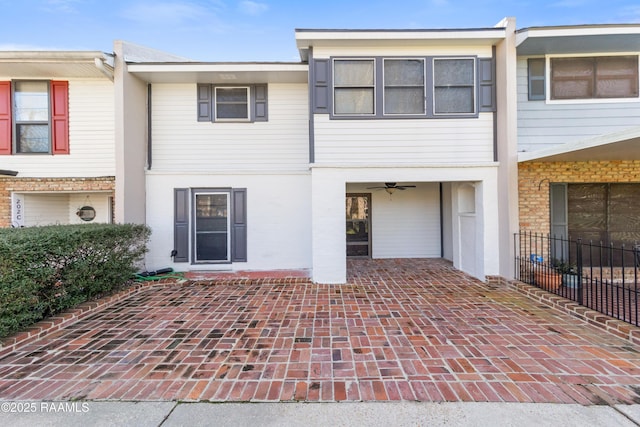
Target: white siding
column 91, row 137
column 428, row 141
column 405, row 224
column 181, row 143
column 544, row 125
column 45, row 209
column 61, row 208
column 278, row 219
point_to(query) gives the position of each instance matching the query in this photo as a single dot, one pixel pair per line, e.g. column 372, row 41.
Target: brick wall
column 534, row 179
column 9, row 185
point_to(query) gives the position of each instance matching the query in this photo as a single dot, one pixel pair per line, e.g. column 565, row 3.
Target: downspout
column 149, row 127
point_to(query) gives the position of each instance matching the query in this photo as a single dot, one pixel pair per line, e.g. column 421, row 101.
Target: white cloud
column 252, row 8
column 174, row 13
column 65, row 6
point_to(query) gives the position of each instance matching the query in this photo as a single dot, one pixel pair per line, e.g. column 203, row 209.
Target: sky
column 264, row 30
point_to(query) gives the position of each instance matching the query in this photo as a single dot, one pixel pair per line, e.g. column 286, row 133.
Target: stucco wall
column 534, row 179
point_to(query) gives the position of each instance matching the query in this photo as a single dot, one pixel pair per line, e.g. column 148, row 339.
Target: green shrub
column 44, row 270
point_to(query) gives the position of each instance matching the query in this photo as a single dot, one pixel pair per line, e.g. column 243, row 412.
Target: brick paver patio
column 399, row 330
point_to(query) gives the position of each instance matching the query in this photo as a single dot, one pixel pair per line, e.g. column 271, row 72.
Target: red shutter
column 5, row 118
column 60, row 117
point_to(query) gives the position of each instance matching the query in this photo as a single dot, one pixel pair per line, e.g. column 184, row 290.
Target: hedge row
column 44, row 270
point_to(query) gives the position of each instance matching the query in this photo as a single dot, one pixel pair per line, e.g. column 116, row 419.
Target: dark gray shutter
column 487, row 84
column 260, row 103
column 320, row 85
column 181, row 225
column 559, row 219
column 536, row 73
column 204, row 103
column 239, row 225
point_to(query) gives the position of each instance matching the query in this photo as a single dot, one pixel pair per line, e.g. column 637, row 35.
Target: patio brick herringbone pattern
column 399, row 330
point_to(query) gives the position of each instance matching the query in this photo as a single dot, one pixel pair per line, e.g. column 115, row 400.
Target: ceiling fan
column 390, row 187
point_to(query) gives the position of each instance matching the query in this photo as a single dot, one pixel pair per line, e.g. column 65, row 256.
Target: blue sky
column 263, row 30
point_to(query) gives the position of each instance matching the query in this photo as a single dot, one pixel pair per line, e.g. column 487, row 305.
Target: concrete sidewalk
column 141, row 414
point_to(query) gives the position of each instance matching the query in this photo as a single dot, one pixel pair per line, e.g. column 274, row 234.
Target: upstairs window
column 404, row 86
column 34, row 117
column 218, row 103
column 454, row 86
column 594, row 77
column 31, row 114
column 232, row 103
column 354, row 87
column 415, row 87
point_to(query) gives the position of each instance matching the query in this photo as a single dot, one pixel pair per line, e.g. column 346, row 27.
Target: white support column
column 328, row 241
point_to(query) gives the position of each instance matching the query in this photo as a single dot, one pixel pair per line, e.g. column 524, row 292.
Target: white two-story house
column 579, row 132
column 382, row 144
column 57, row 162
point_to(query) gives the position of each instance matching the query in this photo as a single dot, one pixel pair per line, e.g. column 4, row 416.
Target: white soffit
column 53, row 64
column 221, row 73
column 578, row 39
column 623, row 145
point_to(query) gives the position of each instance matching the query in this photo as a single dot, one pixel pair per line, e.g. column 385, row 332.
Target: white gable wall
column 91, row 137
column 181, row 143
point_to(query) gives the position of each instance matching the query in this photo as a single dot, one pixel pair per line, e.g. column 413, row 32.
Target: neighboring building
column 57, row 163
column 279, row 165
column 579, row 131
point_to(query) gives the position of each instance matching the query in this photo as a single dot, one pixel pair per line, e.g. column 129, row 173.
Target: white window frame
column 474, row 86
column 232, row 119
column 374, row 86
column 550, row 101
column 424, row 86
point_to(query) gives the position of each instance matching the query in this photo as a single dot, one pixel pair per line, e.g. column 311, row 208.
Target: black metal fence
column 599, row 276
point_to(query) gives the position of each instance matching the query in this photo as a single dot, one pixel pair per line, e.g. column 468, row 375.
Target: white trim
column 474, row 85
column 424, row 86
column 547, row 72
column 232, row 119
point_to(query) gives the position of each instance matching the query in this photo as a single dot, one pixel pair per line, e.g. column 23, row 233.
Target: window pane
column 403, row 72
column 353, row 101
column 232, row 111
column 572, row 89
column 31, row 101
column 536, row 67
column 453, row 72
column 231, row 94
column 453, row 100
column 617, row 77
column 32, row 138
column 537, row 87
column 572, row 67
column 404, row 100
column 211, row 247
column 353, row 73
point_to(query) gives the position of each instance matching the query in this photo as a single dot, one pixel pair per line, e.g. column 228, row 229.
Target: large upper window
column 354, row 87
column 404, row 87
column 34, row 117
column 594, row 77
column 454, row 86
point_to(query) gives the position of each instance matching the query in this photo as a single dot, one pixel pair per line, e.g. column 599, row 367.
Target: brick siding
column 534, row 179
column 9, row 185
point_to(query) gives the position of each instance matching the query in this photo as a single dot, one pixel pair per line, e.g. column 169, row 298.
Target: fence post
column 579, row 267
